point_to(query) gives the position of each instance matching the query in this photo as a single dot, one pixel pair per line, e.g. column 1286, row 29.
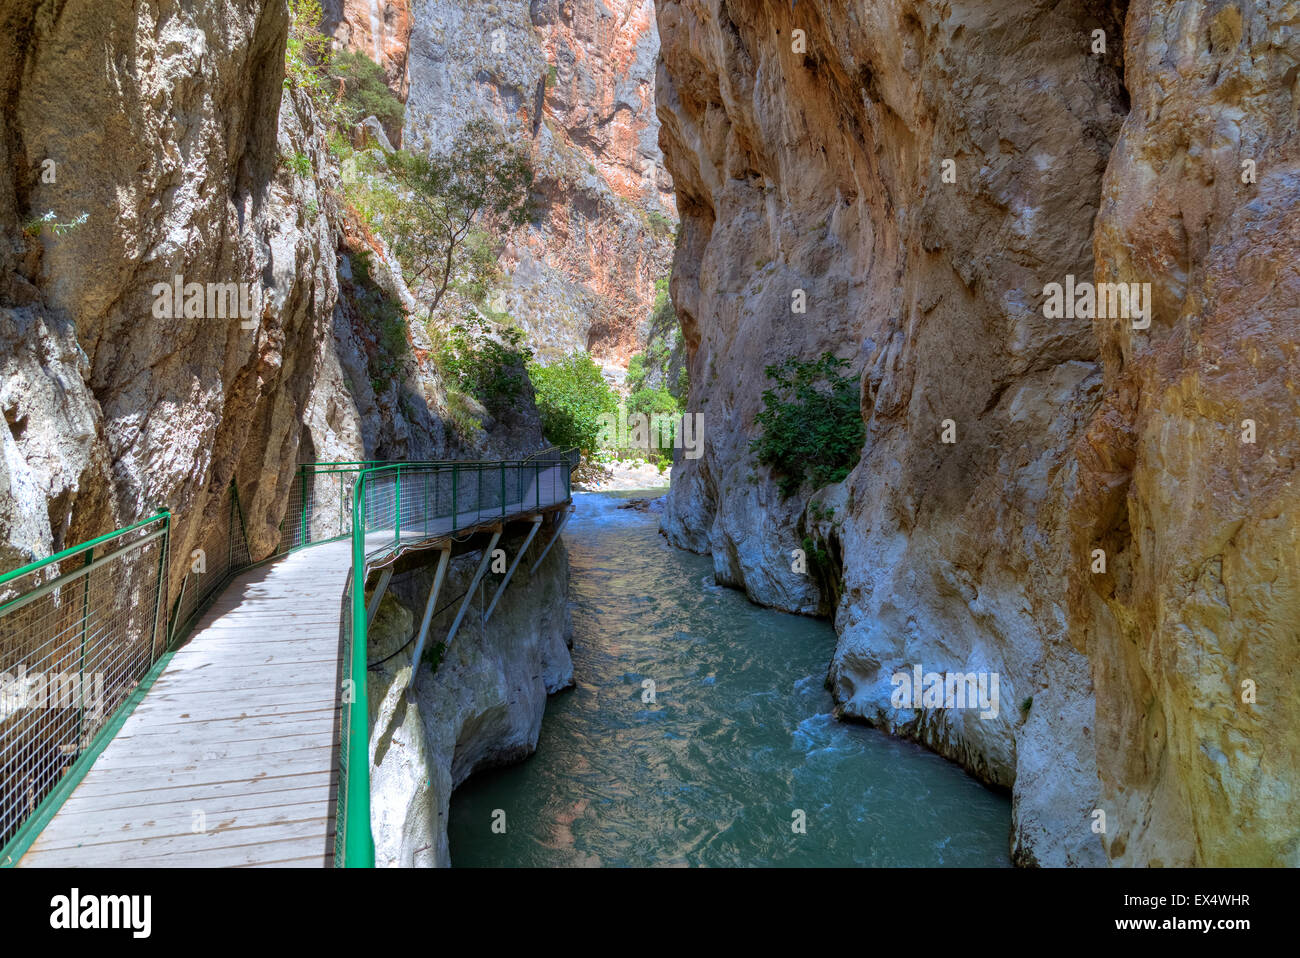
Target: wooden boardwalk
column 231, row 759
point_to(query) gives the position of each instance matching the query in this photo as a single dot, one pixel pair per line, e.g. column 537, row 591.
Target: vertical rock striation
column 1202, row 591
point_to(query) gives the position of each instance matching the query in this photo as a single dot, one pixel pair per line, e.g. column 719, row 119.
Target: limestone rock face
column 152, row 145
column 815, row 161
column 482, row 707
column 166, row 152
column 576, row 81
column 1202, row 590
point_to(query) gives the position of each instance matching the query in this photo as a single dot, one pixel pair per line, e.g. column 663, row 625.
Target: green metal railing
column 401, row 505
column 79, row 631
column 84, row 632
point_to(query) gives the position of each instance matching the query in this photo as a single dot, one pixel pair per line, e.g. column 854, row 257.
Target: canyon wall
column 814, row 161
column 1185, row 475
column 155, row 142
column 575, row 80
column 381, row 29
column 142, row 147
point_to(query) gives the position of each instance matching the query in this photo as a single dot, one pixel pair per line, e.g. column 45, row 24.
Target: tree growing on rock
column 456, row 208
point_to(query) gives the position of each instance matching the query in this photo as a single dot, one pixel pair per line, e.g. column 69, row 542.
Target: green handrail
column 356, row 847
column 354, row 841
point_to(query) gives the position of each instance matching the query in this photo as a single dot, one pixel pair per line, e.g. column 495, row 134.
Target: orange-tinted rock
column 1201, row 602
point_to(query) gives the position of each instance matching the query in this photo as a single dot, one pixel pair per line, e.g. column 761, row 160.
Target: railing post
column 85, row 626
column 230, row 531
column 302, row 475
column 158, row 594
column 359, row 843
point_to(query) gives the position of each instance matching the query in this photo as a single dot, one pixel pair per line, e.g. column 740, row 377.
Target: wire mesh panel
column 320, row 505
column 78, row 632
column 222, row 550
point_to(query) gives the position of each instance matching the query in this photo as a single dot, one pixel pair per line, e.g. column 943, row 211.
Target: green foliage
column 300, row 163
column 365, row 91
column 307, row 56
column 32, row 228
column 660, row 225
column 811, row 421
column 636, row 372
column 572, row 396
column 682, row 388
column 340, row 146
column 491, row 368
column 456, row 206
column 657, row 402
column 819, row 557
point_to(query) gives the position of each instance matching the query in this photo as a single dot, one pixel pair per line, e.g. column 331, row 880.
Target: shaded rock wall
column 821, row 170
column 167, row 128
column 164, row 144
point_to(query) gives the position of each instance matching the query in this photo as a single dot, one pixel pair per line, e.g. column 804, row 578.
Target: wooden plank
column 213, row 850
column 117, row 789
column 145, row 805
column 145, row 762
column 130, row 826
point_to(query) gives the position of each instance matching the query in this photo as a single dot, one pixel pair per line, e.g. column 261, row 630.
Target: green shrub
column 490, row 368
column 656, row 402
column 572, row 396
column 811, row 421
column 636, row 372
column 365, row 91
column 300, row 163
column 660, row 225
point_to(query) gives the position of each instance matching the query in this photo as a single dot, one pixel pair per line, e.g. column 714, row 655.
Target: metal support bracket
column 537, row 524
column 555, row 535
column 378, row 595
column 429, row 606
column 469, row 593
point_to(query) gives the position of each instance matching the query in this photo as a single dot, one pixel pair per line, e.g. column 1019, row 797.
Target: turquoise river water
column 739, row 738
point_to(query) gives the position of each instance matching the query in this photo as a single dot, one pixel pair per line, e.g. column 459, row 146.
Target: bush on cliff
column 811, row 421
column 365, row 91
column 485, row 363
column 572, row 396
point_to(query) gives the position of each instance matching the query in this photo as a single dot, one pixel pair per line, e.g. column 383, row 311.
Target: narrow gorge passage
column 741, row 735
